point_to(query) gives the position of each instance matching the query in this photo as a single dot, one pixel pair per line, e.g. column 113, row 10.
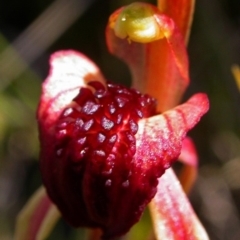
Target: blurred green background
column 31, row 30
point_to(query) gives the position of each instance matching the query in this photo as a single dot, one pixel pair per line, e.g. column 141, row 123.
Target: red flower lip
column 94, row 146
column 101, row 151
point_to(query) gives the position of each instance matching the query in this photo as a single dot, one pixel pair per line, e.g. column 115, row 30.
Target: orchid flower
column 106, row 150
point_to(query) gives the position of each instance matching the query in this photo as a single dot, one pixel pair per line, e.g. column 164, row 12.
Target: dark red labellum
column 91, row 175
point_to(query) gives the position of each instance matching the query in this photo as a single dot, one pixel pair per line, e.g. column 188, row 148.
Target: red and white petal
column 70, row 70
column 161, row 136
column 181, row 11
column 159, row 67
column 37, row 218
column 172, row 215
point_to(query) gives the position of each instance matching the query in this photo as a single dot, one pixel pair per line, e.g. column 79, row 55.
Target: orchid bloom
column 106, row 150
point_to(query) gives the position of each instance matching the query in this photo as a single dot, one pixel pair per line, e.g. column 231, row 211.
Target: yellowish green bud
column 137, row 23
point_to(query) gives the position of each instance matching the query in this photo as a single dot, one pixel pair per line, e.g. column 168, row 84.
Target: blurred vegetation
column 214, row 47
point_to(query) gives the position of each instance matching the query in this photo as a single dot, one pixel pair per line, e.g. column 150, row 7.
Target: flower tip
column 137, row 23
column 67, row 61
column 201, row 100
